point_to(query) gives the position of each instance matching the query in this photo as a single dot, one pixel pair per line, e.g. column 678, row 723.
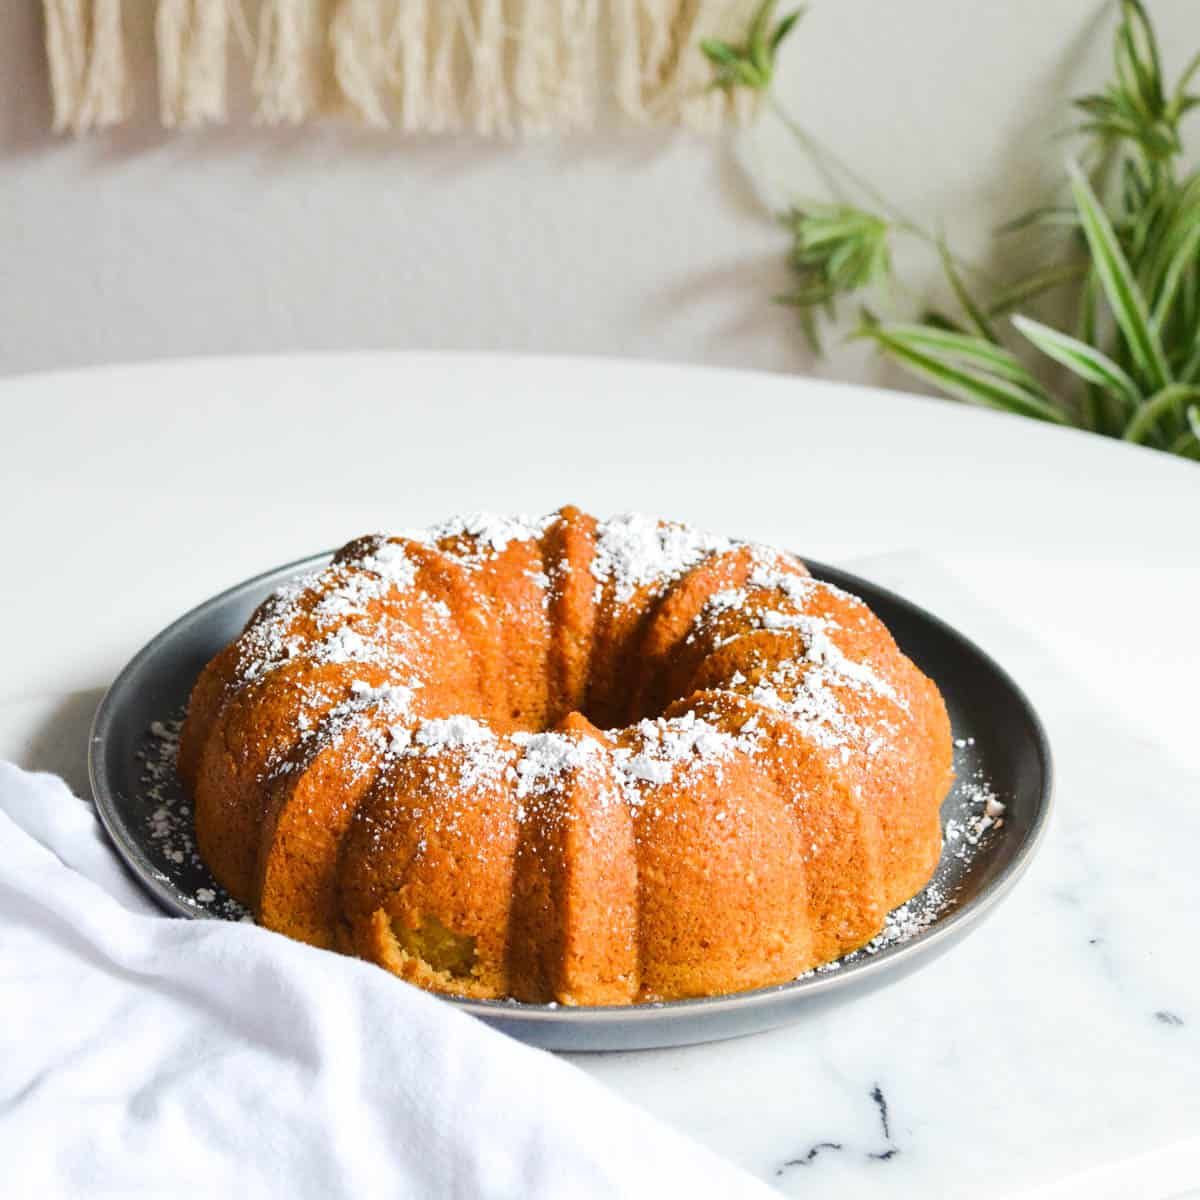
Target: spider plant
column 1127, row 266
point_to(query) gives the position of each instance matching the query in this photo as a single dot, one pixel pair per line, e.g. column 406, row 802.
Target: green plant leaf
column 720, row 53
column 967, row 350
column 1171, row 214
column 1171, row 399
column 1136, row 293
column 1143, row 231
column 1047, row 214
column 1137, row 39
column 1124, row 297
column 836, row 250
column 1033, row 285
column 1084, row 360
column 1098, row 413
column 1184, row 260
column 752, row 64
column 806, row 308
column 934, row 319
column 756, row 38
column 972, row 387
column 1190, row 373
column 1186, row 445
column 784, row 28
column 1181, row 102
column 975, row 314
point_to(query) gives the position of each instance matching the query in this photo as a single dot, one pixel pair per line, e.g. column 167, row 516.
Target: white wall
column 138, row 244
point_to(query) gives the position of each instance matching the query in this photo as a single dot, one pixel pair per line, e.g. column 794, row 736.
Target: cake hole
column 442, row 948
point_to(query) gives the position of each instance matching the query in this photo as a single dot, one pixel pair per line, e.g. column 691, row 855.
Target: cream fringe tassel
column 496, row 67
column 85, row 46
column 554, row 72
column 289, row 71
column 191, row 38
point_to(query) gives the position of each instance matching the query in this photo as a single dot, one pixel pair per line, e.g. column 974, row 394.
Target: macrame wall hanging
column 495, row 67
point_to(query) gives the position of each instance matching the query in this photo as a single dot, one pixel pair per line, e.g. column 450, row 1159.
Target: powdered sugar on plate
column 170, row 827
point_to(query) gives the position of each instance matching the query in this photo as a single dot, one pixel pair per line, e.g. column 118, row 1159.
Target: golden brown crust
column 430, row 870
column 369, row 767
column 308, row 812
column 567, row 549
column 722, row 888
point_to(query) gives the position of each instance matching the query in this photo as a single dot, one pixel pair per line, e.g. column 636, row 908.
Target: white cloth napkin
column 144, row 1056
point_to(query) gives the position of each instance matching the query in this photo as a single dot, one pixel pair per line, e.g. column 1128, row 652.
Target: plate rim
column 857, row 974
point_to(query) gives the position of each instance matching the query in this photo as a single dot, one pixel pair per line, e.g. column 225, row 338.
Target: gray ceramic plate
column 1001, row 751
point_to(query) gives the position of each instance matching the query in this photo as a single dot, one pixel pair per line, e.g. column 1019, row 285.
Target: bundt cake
column 591, row 762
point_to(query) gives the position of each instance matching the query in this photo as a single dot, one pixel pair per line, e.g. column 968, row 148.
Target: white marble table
column 1055, row 1053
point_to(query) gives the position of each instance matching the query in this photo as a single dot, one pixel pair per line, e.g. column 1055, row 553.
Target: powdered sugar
column 344, row 646
column 634, row 550
column 768, row 576
column 399, row 738
column 821, row 651
column 723, row 601
column 489, row 532
column 391, row 563
column 481, row 759
column 810, row 705
column 645, row 767
column 984, row 817
column 453, row 731
column 659, row 748
column 394, row 695
column 169, row 824
column 807, row 683
column 546, row 757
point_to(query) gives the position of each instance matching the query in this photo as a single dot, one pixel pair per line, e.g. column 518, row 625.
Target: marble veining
column 886, row 1154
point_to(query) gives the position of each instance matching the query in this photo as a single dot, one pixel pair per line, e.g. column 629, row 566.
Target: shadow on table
column 58, row 740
